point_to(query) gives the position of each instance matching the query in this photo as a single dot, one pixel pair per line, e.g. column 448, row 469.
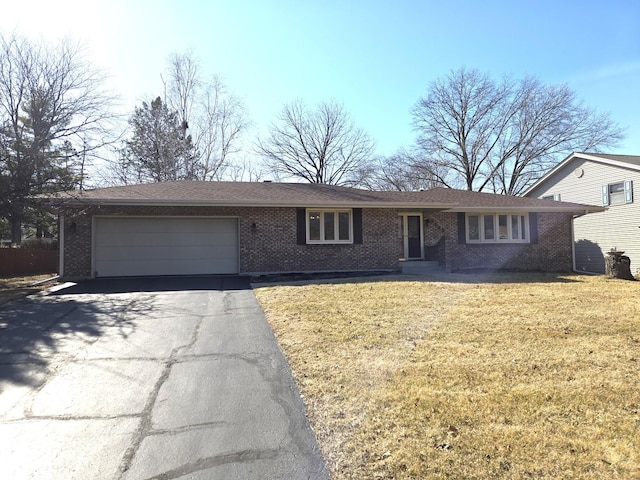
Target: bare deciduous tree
column 220, row 123
column 54, row 117
column 502, row 135
column 318, row 146
column 243, row 170
column 184, row 82
column 401, row 171
column 213, row 117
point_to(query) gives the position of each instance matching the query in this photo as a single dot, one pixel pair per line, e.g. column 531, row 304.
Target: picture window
column 497, row 228
column 329, row 226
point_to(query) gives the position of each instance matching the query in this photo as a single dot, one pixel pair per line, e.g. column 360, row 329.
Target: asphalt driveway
column 149, row 379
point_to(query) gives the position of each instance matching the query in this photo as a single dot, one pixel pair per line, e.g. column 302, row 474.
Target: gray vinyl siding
column 597, row 233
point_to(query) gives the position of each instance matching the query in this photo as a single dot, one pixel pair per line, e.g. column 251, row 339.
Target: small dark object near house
column 618, row 266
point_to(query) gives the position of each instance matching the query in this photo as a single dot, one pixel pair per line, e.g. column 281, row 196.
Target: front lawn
column 467, row 376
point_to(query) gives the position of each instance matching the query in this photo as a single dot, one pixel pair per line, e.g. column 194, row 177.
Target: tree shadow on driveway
column 40, row 331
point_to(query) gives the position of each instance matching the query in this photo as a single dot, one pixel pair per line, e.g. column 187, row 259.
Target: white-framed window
column 497, row 227
column 617, row 193
column 555, row 196
column 329, row 226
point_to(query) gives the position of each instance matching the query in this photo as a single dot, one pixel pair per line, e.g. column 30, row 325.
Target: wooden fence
column 27, row 261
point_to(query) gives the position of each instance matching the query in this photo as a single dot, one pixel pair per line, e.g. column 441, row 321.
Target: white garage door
column 134, row 246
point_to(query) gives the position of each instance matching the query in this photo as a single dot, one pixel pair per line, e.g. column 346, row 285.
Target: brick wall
column 552, row 253
column 268, row 248
column 77, row 244
column 271, row 246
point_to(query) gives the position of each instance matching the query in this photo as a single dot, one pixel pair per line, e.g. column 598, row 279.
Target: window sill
column 522, row 242
column 311, row 242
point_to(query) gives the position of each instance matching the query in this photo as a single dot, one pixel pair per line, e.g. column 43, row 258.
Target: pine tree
column 158, row 150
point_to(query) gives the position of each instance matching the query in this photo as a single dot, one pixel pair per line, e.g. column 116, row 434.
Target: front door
column 412, row 235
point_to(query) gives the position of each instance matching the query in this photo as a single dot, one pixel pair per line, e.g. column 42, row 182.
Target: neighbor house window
column 329, row 226
column 555, row 196
column 497, row 228
column 617, row 193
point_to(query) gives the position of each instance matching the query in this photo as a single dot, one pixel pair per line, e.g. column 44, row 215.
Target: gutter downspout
column 573, row 247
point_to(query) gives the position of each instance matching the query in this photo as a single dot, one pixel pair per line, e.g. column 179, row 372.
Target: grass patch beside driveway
column 501, row 376
column 17, row 287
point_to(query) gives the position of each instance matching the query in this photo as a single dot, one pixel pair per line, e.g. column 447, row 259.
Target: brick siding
column 271, row 246
column 552, row 253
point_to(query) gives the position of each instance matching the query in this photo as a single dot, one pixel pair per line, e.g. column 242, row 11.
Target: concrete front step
column 419, row 267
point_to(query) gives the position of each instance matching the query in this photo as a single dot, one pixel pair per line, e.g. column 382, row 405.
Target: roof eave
column 581, row 210
column 208, row 203
column 608, row 161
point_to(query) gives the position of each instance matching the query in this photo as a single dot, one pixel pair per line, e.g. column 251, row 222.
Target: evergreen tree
column 158, row 150
column 51, row 104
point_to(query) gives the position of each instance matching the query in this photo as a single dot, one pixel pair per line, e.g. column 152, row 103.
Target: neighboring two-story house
column 598, row 179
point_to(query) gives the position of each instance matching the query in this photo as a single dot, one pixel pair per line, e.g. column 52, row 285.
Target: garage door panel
column 173, row 238
column 167, row 267
column 175, row 253
column 128, row 246
column 163, row 225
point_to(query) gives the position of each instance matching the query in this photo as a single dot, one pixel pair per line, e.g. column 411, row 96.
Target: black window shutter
column 533, row 227
column 462, row 235
column 301, row 226
column 357, row 225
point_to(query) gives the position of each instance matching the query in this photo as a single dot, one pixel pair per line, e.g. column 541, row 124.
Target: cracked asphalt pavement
column 176, row 378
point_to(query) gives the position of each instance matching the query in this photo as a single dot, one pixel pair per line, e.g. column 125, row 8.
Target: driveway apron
column 149, row 379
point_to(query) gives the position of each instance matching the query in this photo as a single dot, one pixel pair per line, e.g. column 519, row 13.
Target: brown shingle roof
column 306, row 195
column 227, row 193
column 466, row 200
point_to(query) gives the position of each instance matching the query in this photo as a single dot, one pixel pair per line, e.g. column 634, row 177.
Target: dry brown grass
column 17, row 287
column 507, row 376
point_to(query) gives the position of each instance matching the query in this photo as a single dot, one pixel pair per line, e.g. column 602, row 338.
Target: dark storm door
column 413, row 234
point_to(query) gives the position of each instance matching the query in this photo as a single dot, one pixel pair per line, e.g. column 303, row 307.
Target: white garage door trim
column 164, row 245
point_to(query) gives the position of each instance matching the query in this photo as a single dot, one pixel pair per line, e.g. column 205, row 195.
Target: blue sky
column 376, row 57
